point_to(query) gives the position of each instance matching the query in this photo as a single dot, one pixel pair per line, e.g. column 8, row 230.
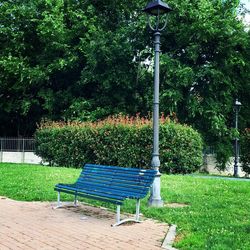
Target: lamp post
column 156, row 9
column 237, row 106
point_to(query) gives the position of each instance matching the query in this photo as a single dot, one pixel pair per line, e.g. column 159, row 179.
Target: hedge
column 245, row 151
column 122, row 142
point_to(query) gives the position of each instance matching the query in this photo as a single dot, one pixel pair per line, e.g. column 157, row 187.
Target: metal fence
column 17, row 145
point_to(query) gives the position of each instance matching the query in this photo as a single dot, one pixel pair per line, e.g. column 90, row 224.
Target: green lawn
column 218, row 215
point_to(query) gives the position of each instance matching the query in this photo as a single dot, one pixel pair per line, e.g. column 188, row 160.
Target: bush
column 245, row 151
column 119, row 141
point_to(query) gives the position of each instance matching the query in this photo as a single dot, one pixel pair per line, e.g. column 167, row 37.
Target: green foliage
column 245, row 151
column 85, row 60
column 120, row 143
column 205, row 65
column 205, row 223
column 67, row 60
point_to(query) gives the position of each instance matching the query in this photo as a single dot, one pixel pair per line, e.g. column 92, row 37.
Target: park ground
column 210, row 213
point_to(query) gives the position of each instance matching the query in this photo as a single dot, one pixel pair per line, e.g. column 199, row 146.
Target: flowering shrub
column 122, row 141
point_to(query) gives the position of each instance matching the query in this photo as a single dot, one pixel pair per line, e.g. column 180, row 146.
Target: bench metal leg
column 136, row 219
column 75, row 201
column 137, row 214
column 118, row 214
column 58, row 201
column 59, row 204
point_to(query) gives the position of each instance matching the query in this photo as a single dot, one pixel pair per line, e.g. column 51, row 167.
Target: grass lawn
column 217, row 216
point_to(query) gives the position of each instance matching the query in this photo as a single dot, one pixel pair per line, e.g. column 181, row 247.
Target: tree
column 84, row 60
column 59, row 56
column 205, row 66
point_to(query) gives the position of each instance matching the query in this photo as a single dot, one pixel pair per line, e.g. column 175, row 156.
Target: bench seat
column 110, row 184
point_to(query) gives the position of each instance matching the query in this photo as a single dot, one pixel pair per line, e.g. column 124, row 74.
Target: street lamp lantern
column 156, row 9
column 237, row 106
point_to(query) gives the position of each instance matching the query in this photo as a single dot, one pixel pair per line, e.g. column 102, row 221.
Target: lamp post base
column 236, row 174
column 155, row 203
column 155, row 197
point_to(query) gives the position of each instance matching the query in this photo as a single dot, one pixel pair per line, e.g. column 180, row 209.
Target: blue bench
column 110, row 184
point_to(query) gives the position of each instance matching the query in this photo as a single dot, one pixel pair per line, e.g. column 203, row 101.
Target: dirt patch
column 90, row 211
column 175, row 205
column 178, row 238
column 129, row 223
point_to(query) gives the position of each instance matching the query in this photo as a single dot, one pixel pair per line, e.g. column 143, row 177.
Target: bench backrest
column 127, row 182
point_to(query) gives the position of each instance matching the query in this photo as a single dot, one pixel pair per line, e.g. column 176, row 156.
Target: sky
column 247, row 5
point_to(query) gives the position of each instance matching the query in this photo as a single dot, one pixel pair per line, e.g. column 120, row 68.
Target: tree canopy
column 84, row 60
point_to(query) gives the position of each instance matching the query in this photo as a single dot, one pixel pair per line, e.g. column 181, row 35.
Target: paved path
column 35, row 225
column 221, row 177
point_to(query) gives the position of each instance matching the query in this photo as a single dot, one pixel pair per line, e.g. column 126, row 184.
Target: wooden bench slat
column 116, row 176
column 103, row 188
column 95, row 193
column 120, row 176
column 118, row 193
column 117, row 202
column 118, row 189
column 116, row 181
column 103, row 192
column 92, row 166
column 120, row 170
column 116, row 185
column 113, row 183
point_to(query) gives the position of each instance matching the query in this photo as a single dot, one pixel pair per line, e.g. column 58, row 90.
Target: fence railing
column 17, row 145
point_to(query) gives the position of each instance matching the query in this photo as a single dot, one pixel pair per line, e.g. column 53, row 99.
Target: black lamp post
column 237, row 106
column 156, row 9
